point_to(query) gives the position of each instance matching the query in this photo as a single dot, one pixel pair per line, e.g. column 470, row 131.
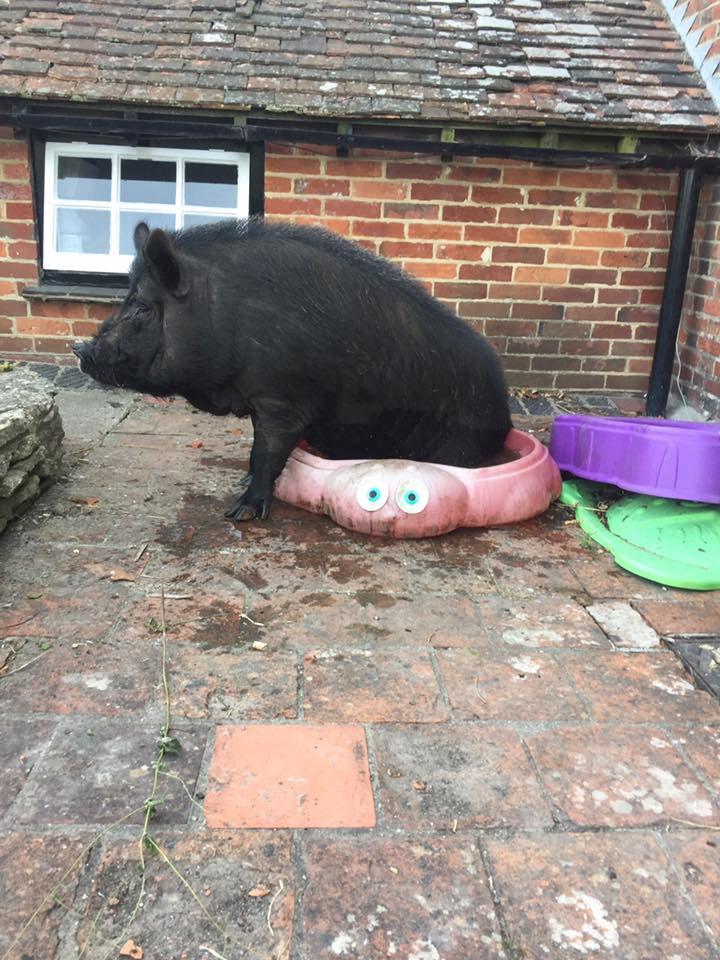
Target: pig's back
column 388, row 369
column 339, row 301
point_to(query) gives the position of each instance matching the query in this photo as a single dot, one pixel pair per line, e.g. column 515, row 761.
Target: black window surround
column 111, row 287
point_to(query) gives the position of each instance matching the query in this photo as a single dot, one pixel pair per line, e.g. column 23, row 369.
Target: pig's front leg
column 275, row 437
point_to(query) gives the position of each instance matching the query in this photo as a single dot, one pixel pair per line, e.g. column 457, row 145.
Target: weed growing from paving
column 166, row 746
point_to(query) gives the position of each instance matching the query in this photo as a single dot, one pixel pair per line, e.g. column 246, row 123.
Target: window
column 95, row 196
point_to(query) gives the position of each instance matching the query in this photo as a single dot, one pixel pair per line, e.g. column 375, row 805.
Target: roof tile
column 616, row 63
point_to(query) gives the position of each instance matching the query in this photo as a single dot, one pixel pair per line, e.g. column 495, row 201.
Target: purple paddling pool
column 663, row 458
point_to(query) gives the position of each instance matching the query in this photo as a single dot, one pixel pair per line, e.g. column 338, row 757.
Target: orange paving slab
column 290, row 776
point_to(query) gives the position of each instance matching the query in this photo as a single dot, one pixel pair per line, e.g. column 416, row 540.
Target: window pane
column 130, row 219
column 211, row 184
column 83, row 230
column 147, row 181
column 84, row 178
column 195, row 219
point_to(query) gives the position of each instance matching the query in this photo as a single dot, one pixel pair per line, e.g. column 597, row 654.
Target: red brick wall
column 562, row 268
column 699, row 337
column 30, row 329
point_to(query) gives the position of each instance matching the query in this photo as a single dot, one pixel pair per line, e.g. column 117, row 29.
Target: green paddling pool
column 673, row 542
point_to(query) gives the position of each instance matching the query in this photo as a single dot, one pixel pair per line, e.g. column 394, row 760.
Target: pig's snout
column 82, row 349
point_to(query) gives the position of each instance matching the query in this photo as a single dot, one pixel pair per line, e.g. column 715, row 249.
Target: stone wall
column 31, row 436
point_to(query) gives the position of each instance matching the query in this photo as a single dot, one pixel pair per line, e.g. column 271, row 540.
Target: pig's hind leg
column 276, row 433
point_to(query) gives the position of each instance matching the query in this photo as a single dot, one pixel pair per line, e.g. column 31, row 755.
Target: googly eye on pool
column 412, row 496
column 372, row 494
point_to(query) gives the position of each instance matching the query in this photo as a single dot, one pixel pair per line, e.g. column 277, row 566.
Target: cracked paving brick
column 602, row 578
column 64, row 566
column 617, row 776
column 23, row 741
column 639, row 687
column 515, row 576
column 368, row 898
column 696, row 855
column 304, row 618
column 701, row 746
column 552, row 621
column 514, row 684
column 372, row 683
column 446, row 621
column 31, row 868
column 97, row 771
column 77, row 614
column 608, row 895
column 455, row 777
column 229, row 873
column 683, row 617
column 194, row 618
column 319, row 566
column 85, row 677
column 233, row 684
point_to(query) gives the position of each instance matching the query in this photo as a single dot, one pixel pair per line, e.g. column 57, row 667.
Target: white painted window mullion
column 114, row 262
column 114, row 205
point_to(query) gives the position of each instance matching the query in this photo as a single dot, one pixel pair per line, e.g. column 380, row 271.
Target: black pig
column 309, row 335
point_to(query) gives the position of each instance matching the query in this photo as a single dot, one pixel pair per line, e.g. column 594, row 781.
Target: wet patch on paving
column 197, row 525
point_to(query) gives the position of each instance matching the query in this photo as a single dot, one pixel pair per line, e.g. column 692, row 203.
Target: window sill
column 75, row 292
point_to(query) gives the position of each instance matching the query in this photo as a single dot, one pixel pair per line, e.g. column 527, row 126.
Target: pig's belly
column 399, row 435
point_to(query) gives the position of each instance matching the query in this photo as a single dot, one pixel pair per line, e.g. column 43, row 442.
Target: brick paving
column 476, row 746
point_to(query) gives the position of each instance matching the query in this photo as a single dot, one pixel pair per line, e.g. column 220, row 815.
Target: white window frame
column 114, row 261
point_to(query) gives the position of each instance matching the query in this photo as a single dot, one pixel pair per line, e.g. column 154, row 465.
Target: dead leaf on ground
column 258, row 645
column 419, row 785
column 196, row 444
column 259, row 891
column 131, row 949
column 118, row 575
column 86, row 501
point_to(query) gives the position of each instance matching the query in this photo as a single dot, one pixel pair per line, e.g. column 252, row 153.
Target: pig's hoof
column 244, row 512
column 248, row 507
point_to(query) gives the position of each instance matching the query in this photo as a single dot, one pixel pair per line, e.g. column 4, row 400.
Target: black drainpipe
column 674, row 291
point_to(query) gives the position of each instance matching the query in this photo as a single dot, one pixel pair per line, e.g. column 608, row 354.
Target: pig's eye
column 372, row 494
column 139, row 315
column 412, row 496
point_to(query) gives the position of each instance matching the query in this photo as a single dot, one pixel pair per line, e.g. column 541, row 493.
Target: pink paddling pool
column 408, row 499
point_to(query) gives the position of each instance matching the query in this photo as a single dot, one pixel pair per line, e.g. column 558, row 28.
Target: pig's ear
column 142, row 232
column 163, row 263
